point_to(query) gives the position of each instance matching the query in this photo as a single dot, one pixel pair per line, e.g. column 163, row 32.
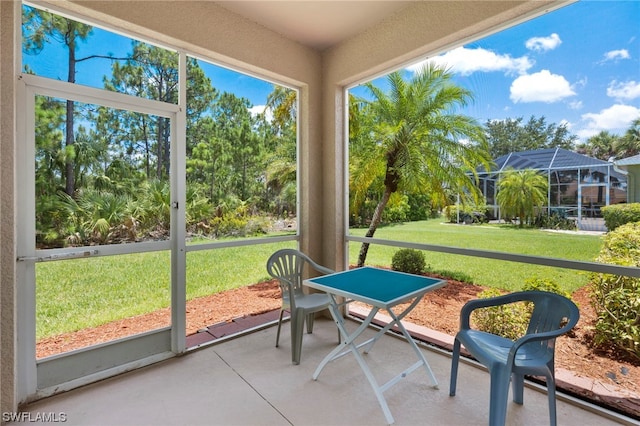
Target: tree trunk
column 160, row 137
column 70, row 181
column 375, row 221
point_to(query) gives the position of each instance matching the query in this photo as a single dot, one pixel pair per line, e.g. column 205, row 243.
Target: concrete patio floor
column 247, row 381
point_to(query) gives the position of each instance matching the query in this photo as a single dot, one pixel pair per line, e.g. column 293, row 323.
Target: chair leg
column 551, row 392
column 455, row 358
column 310, row 319
column 297, row 330
column 499, row 395
column 518, row 388
column 279, row 326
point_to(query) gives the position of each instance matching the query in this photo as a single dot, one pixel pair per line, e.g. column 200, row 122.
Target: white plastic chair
column 506, row 360
column 286, row 265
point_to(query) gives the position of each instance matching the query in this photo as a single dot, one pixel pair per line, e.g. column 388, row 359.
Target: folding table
column 382, row 289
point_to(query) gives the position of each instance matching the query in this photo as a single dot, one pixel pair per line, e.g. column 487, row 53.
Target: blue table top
column 378, row 287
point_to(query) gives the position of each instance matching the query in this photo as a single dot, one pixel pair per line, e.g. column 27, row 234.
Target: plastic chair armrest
column 323, row 269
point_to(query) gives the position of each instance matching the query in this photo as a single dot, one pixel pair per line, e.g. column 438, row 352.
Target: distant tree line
column 515, row 135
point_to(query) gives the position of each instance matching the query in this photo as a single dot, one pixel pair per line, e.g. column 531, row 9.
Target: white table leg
column 412, row 343
column 396, row 320
column 348, row 346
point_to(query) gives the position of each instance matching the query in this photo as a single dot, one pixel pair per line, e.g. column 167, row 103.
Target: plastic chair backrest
column 551, row 313
column 287, row 266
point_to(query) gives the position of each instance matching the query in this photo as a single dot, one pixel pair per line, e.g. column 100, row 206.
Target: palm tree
column 281, row 171
column 629, row 144
column 520, row 192
column 601, row 146
column 418, row 141
column 283, row 104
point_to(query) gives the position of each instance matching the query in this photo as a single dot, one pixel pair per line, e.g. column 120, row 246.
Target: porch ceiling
column 316, row 24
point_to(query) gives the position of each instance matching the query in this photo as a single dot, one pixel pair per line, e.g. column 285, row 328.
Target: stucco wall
column 7, row 233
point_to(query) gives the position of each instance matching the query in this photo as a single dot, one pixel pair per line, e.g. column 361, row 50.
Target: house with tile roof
column 579, row 185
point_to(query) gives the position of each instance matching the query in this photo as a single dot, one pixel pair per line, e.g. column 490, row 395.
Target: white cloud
column 613, row 55
column 467, row 61
column 542, row 44
column 585, row 134
column 581, row 83
column 624, row 90
column 575, row 105
column 540, row 87
column 615, row 118
column 259, row 109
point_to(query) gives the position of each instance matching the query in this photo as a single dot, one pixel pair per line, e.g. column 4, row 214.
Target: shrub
column 228, row 225
column 556, row 220
column 619, row 214
column 511, row 321
column 420, row 207
column 540, row 284
column 396, row 209
column 236, row 223
column 408, row 260
column 616, row 299
column 257, row 225
column 508, row 321
column 468, row 213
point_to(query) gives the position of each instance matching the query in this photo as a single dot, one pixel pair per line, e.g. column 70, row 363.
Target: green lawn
column 76, row 294
column 488, row 272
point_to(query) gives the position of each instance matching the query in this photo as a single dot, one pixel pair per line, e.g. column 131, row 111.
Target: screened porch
column 156, row 377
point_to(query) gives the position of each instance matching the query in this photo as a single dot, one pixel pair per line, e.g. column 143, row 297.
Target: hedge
column 616, row 298
column 619, row 214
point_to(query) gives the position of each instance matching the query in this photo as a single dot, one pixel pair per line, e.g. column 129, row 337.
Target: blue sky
column 578, row 65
